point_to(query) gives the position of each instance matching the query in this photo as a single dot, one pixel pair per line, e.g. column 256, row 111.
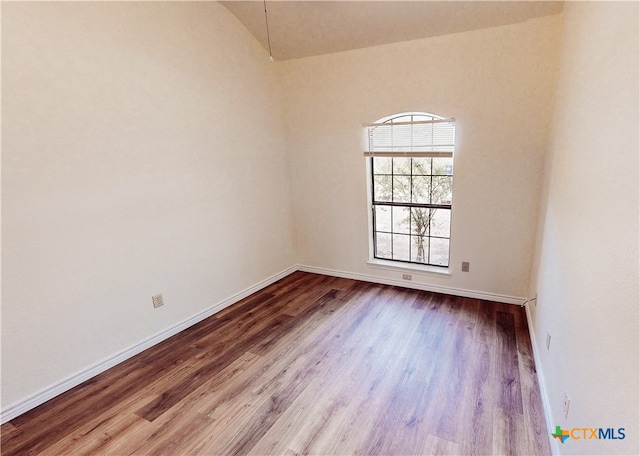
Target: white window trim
column 377, row 263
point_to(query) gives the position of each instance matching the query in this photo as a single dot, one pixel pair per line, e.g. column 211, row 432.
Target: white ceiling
column 305, row 28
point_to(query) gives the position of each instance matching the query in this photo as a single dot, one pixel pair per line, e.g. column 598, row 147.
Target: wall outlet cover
column 157, row 300
column 565, row 405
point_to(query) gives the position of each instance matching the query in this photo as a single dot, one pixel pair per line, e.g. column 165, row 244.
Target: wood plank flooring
column 311, row 365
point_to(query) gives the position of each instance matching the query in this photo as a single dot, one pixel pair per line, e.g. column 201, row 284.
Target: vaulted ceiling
column 306, row 28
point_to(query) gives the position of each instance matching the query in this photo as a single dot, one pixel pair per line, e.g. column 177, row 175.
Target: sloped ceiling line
column 307, row 28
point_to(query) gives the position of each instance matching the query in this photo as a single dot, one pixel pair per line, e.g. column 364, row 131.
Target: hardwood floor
column 312, row 365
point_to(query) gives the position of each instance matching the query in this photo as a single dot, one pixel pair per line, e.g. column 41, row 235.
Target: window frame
column 375, row 258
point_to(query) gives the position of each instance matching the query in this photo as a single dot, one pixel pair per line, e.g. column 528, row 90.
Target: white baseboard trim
column 415, row 285
column 546, row 406
column 54, row 390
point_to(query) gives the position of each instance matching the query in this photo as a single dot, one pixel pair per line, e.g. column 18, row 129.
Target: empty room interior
column 320, row 227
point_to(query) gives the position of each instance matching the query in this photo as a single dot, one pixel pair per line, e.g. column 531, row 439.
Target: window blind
column 424, row 138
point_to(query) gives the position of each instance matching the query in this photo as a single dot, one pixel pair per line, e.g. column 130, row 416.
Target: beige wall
column 142, row 153
column 586, row 272
column 496, row 82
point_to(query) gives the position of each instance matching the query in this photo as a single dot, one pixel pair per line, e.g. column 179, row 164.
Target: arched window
column 411, row 187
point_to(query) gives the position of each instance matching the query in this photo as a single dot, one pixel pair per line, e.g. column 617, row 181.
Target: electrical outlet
column 157, row 300
column 465, row 266
column 565, row 405
column 548, row 340
column 406, row 276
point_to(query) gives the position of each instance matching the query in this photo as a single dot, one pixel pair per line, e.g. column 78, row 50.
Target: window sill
column 415, row 268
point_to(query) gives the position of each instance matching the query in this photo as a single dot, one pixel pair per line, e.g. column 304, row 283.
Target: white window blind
column 424, row 138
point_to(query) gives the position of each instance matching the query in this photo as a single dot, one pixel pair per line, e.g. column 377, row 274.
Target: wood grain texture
column 312, row 365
